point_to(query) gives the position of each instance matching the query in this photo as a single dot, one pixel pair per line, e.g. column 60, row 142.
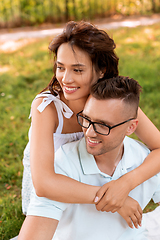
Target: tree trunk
column 66, row 12
column 153, row 6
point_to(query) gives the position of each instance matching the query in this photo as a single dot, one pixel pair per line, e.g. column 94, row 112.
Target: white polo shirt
column 83, row 221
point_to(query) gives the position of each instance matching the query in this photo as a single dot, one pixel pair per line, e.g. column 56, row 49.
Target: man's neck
column 108, row 162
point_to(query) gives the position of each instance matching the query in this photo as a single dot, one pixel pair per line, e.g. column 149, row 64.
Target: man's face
column 110, row 112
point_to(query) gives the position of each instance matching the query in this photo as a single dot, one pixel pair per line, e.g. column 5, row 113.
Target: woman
column 83, row 54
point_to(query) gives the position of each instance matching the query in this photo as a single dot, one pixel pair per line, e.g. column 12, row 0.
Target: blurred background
column 26, row 68
column 17, row 13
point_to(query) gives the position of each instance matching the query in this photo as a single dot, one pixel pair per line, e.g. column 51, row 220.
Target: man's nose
column 90, row 132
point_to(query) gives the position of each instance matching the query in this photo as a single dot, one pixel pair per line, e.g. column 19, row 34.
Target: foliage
column 143, row 51
column 27, row 71
column 32, row 12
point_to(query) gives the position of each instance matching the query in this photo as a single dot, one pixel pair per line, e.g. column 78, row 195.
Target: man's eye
column 102, row 126
column 85, row 117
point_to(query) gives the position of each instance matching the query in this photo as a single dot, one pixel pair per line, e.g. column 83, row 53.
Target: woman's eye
column 78, row 70
column 60, row 68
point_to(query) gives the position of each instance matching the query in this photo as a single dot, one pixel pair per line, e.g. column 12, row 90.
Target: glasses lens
column 98, row 127
column 83, row 121
column 102, row 129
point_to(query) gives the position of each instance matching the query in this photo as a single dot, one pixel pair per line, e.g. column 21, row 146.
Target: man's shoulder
column 130, row 142
column 68, row 151
column 71, row 146
column 134, row 154
column 135, row 147
column 67, row 160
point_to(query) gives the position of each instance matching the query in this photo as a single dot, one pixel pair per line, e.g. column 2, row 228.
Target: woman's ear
column 132, row 126
column 102, row 73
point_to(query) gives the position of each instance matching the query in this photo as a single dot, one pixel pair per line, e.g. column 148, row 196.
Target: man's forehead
column 112, row 103
column 103, row 110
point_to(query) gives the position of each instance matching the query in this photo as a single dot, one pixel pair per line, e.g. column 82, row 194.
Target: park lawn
column 27, row 71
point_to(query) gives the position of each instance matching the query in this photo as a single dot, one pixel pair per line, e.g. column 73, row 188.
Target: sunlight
column 3, row 70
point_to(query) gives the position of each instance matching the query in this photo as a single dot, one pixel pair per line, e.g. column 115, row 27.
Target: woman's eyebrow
column 78, row 65
column 73, row 65
column 57, row 62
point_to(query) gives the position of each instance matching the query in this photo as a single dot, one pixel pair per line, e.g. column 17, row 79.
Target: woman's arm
column 131, row 212
column 40, row 228
column 117, row 191
column 46, row 182
column 150, row 135
column 147, row 132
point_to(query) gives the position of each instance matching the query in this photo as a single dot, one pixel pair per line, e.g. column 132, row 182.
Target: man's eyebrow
column 84, row 115
column 97, row 120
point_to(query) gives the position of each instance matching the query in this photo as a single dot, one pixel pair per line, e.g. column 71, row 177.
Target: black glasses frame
column 103, row 124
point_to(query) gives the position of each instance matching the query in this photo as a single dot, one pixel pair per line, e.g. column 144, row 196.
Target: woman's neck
column 75, row 105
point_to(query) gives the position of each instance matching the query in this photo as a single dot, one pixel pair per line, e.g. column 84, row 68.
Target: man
column 104, row 154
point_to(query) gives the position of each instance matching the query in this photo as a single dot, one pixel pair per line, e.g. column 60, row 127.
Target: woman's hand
column 131, row 212
column 112, row 195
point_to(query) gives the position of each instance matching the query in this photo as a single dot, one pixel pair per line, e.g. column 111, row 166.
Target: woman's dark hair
column 97, row 43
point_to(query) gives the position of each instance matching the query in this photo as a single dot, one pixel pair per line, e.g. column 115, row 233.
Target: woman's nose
column 67, row 77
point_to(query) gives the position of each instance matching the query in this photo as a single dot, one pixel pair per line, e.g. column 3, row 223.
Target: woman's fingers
column 108, row 205
column 131, row 212
column 138, row 215
column 112, row 195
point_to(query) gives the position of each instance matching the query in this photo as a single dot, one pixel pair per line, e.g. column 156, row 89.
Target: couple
column 105, row 153
column 83, row 55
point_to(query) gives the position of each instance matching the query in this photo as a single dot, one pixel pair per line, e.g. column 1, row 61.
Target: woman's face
column 74, row 72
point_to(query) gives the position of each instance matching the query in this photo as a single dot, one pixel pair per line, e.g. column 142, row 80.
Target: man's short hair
column 120, row 87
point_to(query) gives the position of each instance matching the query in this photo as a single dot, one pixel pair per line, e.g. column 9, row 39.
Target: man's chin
column 92, row 151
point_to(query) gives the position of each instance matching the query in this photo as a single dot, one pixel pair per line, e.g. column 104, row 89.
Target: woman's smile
column 70, row 89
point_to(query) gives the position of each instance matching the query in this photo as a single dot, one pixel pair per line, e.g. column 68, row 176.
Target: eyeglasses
column 100, row 128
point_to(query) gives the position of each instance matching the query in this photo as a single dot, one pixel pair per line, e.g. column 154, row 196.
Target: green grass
column 28, row 71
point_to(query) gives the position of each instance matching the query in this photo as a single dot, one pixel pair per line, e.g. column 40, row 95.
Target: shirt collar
column 87, row 160
column 89, row 165
column 128, row 160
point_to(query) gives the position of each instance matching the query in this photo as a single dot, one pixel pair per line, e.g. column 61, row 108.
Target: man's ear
column 132, row 127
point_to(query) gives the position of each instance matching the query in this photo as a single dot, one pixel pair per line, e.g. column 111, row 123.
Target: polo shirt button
column 123, row 170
